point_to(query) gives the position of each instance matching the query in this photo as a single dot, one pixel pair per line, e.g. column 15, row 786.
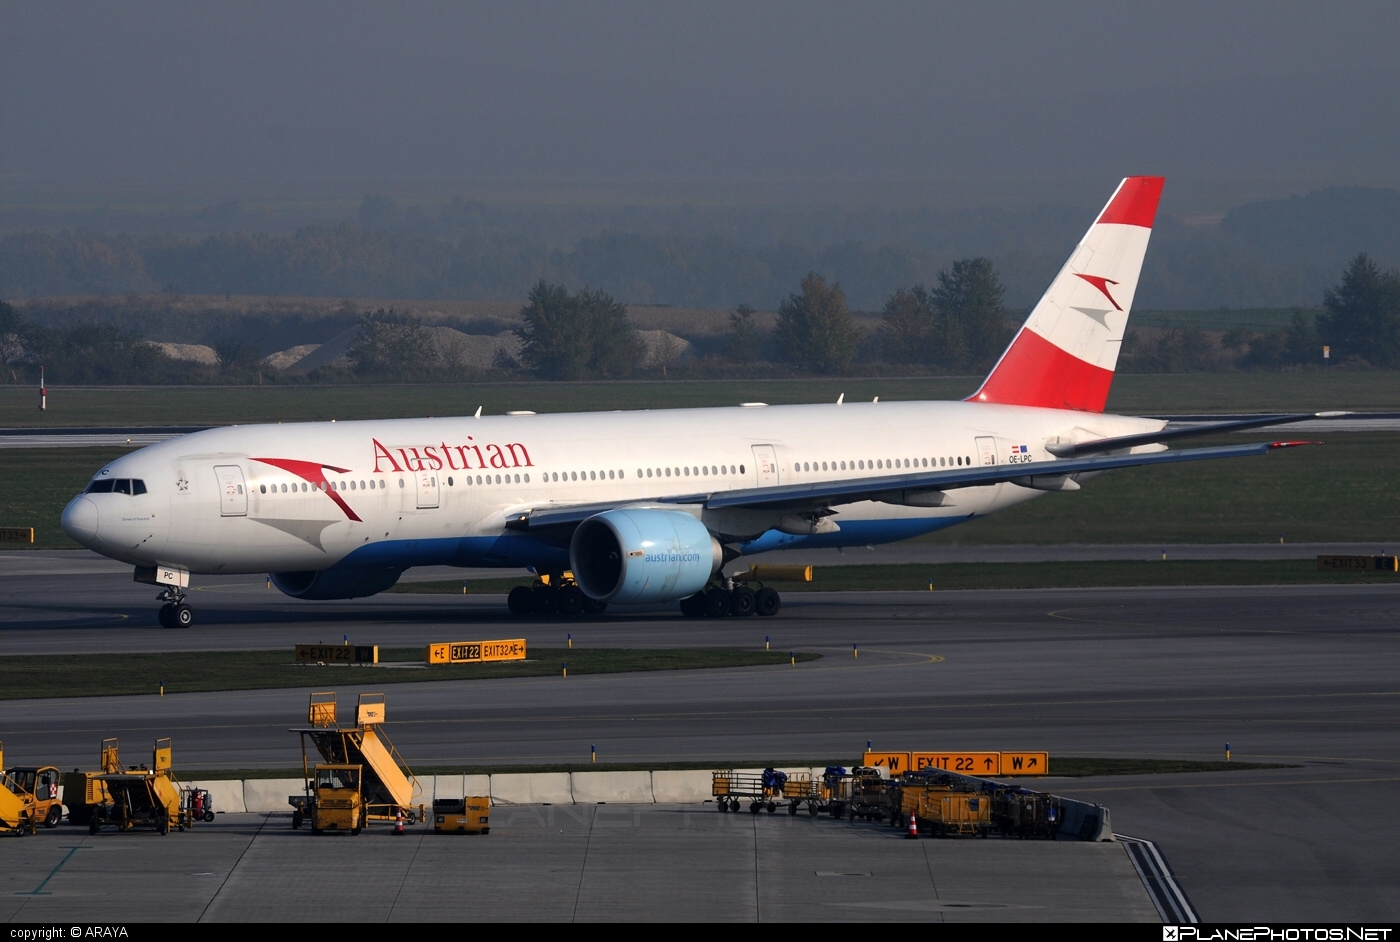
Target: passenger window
column 262, row 488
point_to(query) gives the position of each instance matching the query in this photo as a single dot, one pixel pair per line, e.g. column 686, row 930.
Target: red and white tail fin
column 1064, row 354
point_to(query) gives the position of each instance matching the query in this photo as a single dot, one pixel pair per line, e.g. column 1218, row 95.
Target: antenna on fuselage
column 478, row 413
column 840, row 399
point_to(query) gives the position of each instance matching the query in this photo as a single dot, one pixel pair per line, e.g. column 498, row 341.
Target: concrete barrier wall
column 1084, row 822
column 631, row 788
column 681, row 788
column 263, row 795
column 225, row 795
column 532, row 788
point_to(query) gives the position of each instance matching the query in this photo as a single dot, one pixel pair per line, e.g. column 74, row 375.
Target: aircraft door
column 233, row 495
column 765, row 463
column 427, row 489
column 987, row 451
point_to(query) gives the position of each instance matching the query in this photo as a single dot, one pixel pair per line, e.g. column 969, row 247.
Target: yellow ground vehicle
column 336, row 801
column 35, row 794
column 40, row 788
column 84, row 791
column 142, row 797
column 385, row 786
column 470, row 815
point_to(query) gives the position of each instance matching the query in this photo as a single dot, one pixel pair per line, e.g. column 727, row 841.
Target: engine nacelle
column 643, row 556
column 326, row 584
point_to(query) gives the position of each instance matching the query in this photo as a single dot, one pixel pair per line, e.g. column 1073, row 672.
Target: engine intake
column 643, row 556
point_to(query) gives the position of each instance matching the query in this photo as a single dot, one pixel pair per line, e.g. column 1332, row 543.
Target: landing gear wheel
column 182, row 616
column 692, row 606
column 571, row 599
column 166, row 621
column 594, row 606
column 54, row 816
column 520, row 601
column 716, row 603
column 741, row 601
column 767, row 602
column 542, row 597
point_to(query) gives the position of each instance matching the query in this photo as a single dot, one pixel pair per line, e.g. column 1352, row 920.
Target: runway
column 1305, row 676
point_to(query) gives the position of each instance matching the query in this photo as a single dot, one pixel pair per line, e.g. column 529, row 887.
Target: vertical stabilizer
column 1064, row 355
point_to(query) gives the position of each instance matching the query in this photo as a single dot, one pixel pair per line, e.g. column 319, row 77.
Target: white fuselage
column 438, row 491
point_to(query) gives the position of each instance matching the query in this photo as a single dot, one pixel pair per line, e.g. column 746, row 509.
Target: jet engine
column 643, row 556
column 326, row 584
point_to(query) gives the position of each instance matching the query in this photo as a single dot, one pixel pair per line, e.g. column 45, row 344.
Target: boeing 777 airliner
column 646, row 506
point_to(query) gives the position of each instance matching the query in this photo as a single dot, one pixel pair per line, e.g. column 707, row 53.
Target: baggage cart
column 1023, row 813
column 763, row 791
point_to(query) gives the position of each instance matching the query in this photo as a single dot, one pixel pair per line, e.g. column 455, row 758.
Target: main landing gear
column 552, row 596
column 732, row 598
column 175, row 613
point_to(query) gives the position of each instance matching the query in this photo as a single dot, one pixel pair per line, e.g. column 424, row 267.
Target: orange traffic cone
column 913, row 829
column 398, row 823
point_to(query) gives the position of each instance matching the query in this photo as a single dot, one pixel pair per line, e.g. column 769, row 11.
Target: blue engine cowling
column 327, row 584
column 643, row 556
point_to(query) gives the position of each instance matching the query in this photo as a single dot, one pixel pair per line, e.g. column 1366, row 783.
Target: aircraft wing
column 892, row 487
column 1098, row 446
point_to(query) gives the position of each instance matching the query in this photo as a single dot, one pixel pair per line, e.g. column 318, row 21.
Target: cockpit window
column 131, row 486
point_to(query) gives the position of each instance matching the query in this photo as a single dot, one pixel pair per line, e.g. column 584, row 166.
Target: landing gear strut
column 731, row 598
column 553, row 595
column 175, row 613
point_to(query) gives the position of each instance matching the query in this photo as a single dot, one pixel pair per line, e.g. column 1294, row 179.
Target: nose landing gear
column 175, row 613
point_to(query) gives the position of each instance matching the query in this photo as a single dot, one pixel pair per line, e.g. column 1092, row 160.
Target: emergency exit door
column 427, row 489
column 765, row 464
column 233, row 495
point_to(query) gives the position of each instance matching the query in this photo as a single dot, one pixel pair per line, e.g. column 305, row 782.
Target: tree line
column 958, row 323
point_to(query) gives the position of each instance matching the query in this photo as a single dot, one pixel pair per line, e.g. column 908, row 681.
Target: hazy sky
column 469, row 94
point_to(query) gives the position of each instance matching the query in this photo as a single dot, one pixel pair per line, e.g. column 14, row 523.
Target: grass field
column 215, row 405
column 101, row 675
column 1341, row 491
column 1062, row 766
column 1049, row 575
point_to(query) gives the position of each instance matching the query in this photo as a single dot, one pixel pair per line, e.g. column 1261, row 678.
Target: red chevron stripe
column 311, row 472
column 1035, row 372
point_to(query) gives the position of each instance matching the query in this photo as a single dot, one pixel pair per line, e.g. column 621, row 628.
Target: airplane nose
column 80, row 520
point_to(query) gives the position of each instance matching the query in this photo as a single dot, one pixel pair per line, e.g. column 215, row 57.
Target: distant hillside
column 1267, row 254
